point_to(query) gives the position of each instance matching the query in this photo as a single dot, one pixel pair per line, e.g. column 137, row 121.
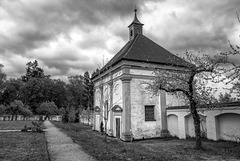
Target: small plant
column 35, row 128
column 101, row 128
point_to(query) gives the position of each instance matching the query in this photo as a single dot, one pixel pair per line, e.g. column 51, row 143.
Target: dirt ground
column 148, row 150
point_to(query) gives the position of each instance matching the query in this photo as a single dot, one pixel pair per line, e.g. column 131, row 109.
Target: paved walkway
column 61, row 147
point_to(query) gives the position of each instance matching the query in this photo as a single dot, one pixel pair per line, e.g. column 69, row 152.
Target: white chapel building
column 134, row 112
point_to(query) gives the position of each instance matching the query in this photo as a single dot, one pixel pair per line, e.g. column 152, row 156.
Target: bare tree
column 191, row 83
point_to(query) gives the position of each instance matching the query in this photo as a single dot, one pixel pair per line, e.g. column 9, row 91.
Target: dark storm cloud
column 33, row 29
column 204, row 26
column 37, row 23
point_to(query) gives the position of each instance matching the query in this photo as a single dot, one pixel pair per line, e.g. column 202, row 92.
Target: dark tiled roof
column 142, row 49
column 216, row 105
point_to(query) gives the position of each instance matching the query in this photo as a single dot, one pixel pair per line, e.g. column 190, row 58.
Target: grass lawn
column 149, row 150
column 14, row 125
column 23, row 146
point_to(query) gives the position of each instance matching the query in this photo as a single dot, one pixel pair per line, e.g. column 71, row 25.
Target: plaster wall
column 180, row 125
column 228, row 126
column 117, row 93
column 97, row 97
column 172, row 125
column 106, row 104
column 139, row 98
column 173, row 100
column 213, row 131
column 190, row 130
column 216, row 123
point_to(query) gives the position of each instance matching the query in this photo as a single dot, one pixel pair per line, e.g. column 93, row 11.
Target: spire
column 135, row 20
column 135, row 27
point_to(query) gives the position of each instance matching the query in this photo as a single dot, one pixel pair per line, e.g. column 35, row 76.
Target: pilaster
column 181, row 127
column 162, row 102
column 111, row 106
column 211, row 126
column 126, row 98
column 101, row 102
column 94, row 114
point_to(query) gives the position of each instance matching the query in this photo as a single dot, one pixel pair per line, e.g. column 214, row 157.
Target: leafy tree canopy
column 33, row 71
column 47, row 108
column 226, row 97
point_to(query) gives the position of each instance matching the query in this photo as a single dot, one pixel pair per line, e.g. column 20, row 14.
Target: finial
column 135, row 10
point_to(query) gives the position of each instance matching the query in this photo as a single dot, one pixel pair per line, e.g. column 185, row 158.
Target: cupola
column 135, row 27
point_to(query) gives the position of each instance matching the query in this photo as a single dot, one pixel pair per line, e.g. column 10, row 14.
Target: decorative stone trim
column 127, row 136
column 97, row 109
column 110, row 83
column 117, row 108
column 126, row 78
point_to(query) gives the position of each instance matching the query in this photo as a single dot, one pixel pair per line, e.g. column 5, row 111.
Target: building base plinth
column 127, row 136
column 165, row 133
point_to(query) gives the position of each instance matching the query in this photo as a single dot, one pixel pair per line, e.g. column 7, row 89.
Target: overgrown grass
column 14, row 125
column 23, row 146
column 156, row 149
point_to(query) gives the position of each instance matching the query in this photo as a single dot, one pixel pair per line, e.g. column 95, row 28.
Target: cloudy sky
column 69, row 37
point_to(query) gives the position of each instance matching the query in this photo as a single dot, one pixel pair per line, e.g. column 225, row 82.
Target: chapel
column 130, row 112
column 120, row 95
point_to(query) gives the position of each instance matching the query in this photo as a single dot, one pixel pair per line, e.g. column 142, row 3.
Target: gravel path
column 61, row 147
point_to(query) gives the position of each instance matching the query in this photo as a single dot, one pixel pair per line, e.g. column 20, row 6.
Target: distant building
column 132, row 111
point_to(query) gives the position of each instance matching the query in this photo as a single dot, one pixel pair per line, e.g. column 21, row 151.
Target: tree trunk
column 196, row 120
column 46, row 117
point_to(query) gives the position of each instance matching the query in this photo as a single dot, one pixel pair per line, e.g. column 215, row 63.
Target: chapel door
column 118, row 127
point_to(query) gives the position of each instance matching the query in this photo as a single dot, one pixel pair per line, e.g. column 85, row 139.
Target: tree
column 12, row 90
column 226, row 97
column 236, row 87
column 2, row 75
column 2, row 80
column 16, row 108
column 75, row 94
column 233, row 54
column 59, row 93
column 88, row 95
column 47, row 109
column 39, row 90
column 234, row 70
column 26, row 112
column 34, row 92
column 33, row 71
column 88, row 91
column 2, row 109
column 191, row 83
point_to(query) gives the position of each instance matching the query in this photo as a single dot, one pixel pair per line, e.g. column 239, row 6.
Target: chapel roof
column 142, row 49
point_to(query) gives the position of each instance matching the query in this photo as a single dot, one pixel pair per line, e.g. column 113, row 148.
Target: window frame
column 150, row 118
